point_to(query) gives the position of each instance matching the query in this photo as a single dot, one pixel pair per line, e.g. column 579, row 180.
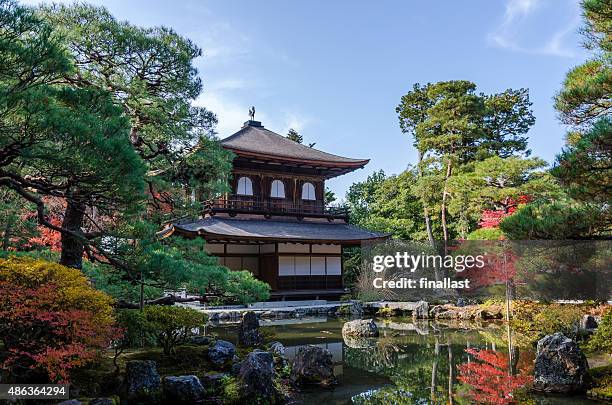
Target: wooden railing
column 233, row 203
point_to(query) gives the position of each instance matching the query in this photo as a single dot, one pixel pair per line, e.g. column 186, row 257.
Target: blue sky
column 335, row 70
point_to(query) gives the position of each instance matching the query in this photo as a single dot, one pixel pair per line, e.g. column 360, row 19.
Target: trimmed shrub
column 536, row 320
column 601, row 340
column 51, row 320
column 136, row 330
column 172, row 325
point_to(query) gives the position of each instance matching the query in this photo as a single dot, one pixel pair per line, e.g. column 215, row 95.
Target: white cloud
column 293, row 121
column 232, row 114
column 517, row 16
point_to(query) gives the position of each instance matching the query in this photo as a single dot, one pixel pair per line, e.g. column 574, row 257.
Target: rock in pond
column 184, row 389
column 360, row 327
column 248, row 332
column 313, row 366
column 421, row 310
column 143, row 381
column 278, row 352
column 256, row 376
column 560, row 366
column 221, row 352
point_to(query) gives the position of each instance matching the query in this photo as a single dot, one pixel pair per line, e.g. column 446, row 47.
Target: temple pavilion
column 275, row 223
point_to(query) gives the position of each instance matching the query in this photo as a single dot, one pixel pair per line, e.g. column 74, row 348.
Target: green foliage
column 329, row 197
column 536, row 320
column 552, row 220
column 231, row 390
column 486, row 234
column 295, row 136
column 137, row 332
column 584, row 166
column 453, row 127
column 245, row 288
column 601, row 340
column 172, row 325
column 388, row 204
column 15, row 230
column 601, row 383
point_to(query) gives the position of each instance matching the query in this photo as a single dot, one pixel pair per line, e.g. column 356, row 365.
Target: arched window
column 278, row 189
column 308, row 191
column 245, row 186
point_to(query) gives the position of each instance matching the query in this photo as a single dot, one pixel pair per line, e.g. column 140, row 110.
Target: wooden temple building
column 275, row 223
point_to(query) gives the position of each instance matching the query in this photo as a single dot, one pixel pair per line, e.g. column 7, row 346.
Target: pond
column 420, row 363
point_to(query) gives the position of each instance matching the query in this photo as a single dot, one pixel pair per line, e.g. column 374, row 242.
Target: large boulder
column 256, row 376
column 313, row 365
column 184, row 389
column 560, row 366
column 221, row 352
column 143, row 381
column 421, row 310
column 360, row 327
column 248, row 331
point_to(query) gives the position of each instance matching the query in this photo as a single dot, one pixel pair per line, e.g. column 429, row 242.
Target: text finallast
column 413, row 263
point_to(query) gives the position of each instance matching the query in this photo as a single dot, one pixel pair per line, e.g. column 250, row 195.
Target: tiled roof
column 255, row 229
column 255, row 139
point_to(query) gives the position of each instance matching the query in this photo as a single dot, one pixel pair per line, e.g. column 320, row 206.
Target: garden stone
column 560, row 366
column 185, row 389
column 143, row 381
column 213, row 380
column 313, row 365
column 221, row 352
column 588, row 322
column 278, row 351
column 256, row 376
column 360, row 327
column 421, row 310
column 248, row 332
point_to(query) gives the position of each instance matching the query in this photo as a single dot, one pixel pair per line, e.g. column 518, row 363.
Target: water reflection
column 414, row 363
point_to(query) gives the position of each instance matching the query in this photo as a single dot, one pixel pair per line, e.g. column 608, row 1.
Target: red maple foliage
column 492, row 218
column 489, row 379
column 499, row 268
column 40, row 336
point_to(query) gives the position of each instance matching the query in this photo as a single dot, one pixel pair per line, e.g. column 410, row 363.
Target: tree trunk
column 72, row 245
column 449, row 170
column 430, row 236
